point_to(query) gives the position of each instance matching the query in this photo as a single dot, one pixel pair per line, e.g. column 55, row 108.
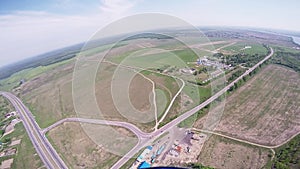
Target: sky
column 32, row 27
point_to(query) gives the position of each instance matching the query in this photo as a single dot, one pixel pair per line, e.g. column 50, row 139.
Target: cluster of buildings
column 206, row 62
column 148, row 157
column 167, row 153
column 7, row 147
column 175, row 150
column 186, row 150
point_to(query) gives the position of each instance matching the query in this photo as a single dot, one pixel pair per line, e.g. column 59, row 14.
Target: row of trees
column 288, row 155
column 248, row 60
column 289, row 59
column 235, row 75
column 245, row 78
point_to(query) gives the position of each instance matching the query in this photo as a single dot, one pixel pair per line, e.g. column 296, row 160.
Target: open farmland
column 246, row 48
column 223, row 153
column 77, row 149
column 265, row 110
column 169, row 86
column 49, row 95
column 139, row 91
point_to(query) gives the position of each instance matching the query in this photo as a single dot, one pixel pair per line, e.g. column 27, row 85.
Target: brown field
column 223, row 153
column 266, row 109
column 78, row 150
column 165, row 83
column 139, row 91
column 170, row 87
column 49, row 96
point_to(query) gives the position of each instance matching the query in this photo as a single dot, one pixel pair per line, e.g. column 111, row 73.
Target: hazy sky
column 32, row 27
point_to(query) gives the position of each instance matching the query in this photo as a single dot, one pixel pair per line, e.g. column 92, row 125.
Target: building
column 188, row 70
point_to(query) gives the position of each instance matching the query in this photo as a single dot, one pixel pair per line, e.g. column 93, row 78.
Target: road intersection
column 42, row 145
column 52, row 160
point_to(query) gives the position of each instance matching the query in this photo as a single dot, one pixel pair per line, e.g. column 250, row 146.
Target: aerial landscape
column 133, row 85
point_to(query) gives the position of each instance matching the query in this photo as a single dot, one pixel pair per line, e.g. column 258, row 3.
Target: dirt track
column 266, row 109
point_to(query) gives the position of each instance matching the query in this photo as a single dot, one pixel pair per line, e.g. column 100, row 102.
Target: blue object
column 144, row 165
column 149, row 147
column 159, row 151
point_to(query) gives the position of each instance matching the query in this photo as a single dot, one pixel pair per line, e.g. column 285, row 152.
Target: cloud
column 29, row 33
column 116, row 7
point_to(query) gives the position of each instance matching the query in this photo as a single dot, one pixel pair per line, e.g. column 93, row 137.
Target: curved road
column 43, row 147
column 140, row 134
column 173, row 123
column 144, row 138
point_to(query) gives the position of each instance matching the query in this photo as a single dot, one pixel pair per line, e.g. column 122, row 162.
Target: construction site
column 171, row 152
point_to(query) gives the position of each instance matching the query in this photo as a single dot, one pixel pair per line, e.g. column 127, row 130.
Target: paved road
column 168, row 127
column 43, row 147
column 129, row 126
column 144, row 138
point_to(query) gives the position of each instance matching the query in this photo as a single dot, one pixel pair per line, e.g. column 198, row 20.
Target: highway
column 173, row 123
column 41, row 144
column 52, row 160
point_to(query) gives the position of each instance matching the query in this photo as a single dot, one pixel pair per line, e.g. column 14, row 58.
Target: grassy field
column 265, row 109
column 5, row 107
column 78, row 150
column 169, row 86
column 240, row 48
column 157, row 58
column 140, row 90
column 154, row 59
column 28, row 74
column 49, row 97
column 219, row 152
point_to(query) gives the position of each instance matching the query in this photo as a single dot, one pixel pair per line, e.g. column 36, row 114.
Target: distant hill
column 41, row 60
column 70, row 52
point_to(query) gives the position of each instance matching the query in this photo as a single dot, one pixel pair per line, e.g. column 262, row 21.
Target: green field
column 239, row 48
column 14, row 81
column 99, row 49
column 149, row 58
column 5, row 107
